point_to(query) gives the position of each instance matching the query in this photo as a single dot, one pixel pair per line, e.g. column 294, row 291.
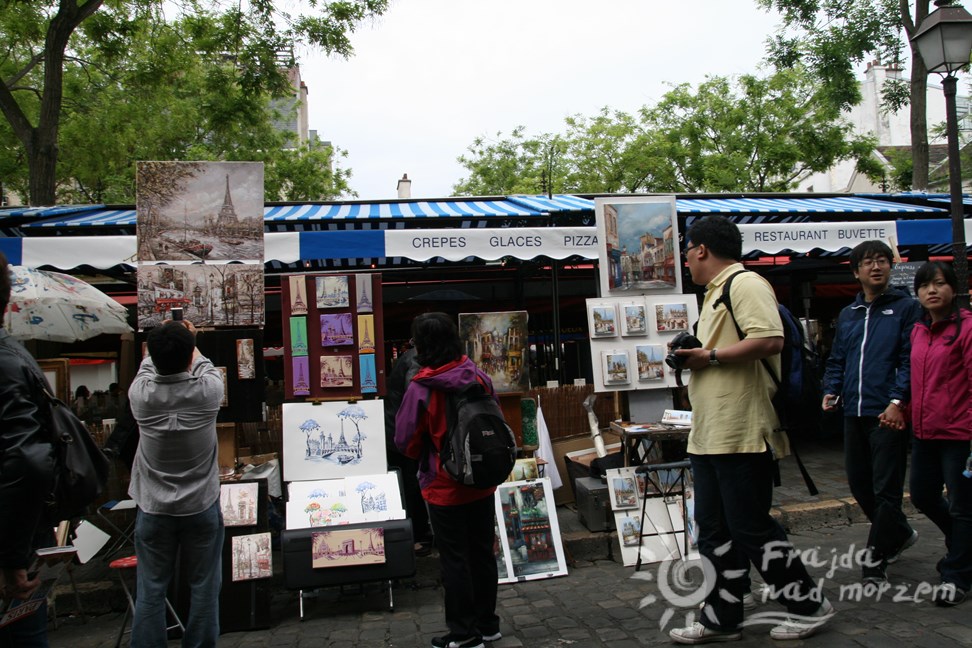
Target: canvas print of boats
column 531, row 531
column 498, row 344
column 333, row 439
column 199, row 211
column 337, row 371
column 336, row 330
column 227, row 294
column 251, row 557
column 298, row 295
column 347, row 547
column 238, row 503
column 365, row 293
column 332, row 291
column 639, row 245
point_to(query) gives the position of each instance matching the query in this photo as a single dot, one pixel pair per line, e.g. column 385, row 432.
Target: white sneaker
column 801, row 627
column 699, row 634
column 908, row 544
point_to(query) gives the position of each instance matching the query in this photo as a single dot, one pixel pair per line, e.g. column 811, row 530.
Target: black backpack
column 797, row 399
column 479, row 448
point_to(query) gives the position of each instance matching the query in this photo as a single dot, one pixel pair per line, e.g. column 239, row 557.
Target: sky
column 430, row 76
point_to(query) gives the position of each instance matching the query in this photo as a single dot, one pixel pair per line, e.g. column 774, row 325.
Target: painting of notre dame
column 199, row 211
column 497, row 343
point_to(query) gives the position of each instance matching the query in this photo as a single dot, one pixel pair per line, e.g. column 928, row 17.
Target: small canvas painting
column 332, row 292
column 630, row 529
column 301, row 376
column 238, row 503
column 651, row 362
column 337, row 371
column 346, row 547
column 365, row 294
column 531, row 531
column 366, row 333
column 333, row 439
column 336, row 330
column 671, row 317
column 298, row 295
column 369, row 384
column 615, row 367
column 298, row 336
column 251, row 557
column 634, row 319
column 623, row 492
column 245, row 361
column 604, row 321
column 379, row 496
column 222, row 374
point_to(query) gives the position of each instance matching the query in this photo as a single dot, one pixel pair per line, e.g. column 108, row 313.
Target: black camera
column 683, row 340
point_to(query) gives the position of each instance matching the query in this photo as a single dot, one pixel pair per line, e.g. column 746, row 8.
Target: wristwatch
column 713, row 360
column 897, row 403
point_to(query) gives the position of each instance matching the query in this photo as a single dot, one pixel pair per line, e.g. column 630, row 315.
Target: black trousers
column 464, row 536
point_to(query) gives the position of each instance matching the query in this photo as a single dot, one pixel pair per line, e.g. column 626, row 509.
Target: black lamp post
column 944, row 41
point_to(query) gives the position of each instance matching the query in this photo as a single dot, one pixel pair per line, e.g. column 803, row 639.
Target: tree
column 831, row 37
column 44, row 40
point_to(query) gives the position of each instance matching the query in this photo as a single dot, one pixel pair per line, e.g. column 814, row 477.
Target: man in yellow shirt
column 733, row 443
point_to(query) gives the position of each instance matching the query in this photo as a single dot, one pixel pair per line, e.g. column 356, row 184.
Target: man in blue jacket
column 869, row 370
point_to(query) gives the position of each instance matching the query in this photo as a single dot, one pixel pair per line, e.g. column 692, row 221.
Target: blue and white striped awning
column 45, row 212
column 833, row 205
column 966, row 200
column 101, row 217
column 557, row 203
column 411, row 209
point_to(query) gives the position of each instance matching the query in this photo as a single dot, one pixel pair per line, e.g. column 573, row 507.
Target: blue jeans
column 29, row 632
column 197, row 541
column 935, row 463
column 733, row 496
column 875, row 459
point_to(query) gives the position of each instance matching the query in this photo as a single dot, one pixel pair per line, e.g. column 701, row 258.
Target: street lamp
column 944, row 41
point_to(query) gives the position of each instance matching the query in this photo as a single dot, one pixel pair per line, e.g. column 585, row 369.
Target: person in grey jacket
column 175, row 483
column 869, row 369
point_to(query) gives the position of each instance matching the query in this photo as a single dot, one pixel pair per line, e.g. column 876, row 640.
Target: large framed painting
column 498, row 344
column 639, row 251
column 529, row 530
column 335, row 439
column 211, row 294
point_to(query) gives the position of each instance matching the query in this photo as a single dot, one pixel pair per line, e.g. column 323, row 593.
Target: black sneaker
column 874, row 574
column 492, row 636
column 949, row 595
column 908, row 544
column 455, row 641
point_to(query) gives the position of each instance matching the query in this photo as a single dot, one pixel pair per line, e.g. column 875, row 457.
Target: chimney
column 404, row 187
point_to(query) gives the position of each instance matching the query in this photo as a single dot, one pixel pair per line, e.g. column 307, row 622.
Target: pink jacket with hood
column 941, row 379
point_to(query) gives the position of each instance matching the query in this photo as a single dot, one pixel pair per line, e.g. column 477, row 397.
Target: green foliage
column 744, row 134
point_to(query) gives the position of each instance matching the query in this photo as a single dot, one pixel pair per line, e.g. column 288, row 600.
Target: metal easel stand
column 315, row 593
column 675, row 488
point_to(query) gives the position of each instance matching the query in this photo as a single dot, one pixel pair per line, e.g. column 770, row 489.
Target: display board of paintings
column 199, row 228
column 333, row 336
column 333, row 439
column 498, row 344
column 529, row 531
column 246, row 562
column 630, row 336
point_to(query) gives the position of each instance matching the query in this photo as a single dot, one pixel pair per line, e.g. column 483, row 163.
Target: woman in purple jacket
column 941, row 413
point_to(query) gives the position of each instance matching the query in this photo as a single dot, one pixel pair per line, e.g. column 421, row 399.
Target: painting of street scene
column 336, row 330
column 530, row 528
column 604, row 321
column 333, row 439
column 630, row 530
column 238, row 503
column 623, row 493
column 634, row 320
column 615, row 367
column 348, row 547
column 195, row 211
column 671, row 317
column 227, row 294
column 498, row 344
column 251, row 557
column 332, row 292
column 640, row 244
column 651, row 361
column 336, row 371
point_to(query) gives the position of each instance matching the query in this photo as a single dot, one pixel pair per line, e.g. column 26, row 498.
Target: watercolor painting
column 366, row 333
column 346, row 547
column 369, row 384
column 531, row 531
column 634, row 319
column 603, row 320
column 336, row 330
column 298, row 295
column 379, row 496
column 671, row 317
column 245, row 360
column 630, row 530
column 333, row 439
column 225, row 294
column 298, row 336
column 623, row 492
column 239, row 503
column 251, row 557
column 615, row 367
column 332, row 291
column 337, row 371
column 301, row 376
column 365, row 294
column 321, row 502
column 651, row 361
column 639, row 250
column 498, row 344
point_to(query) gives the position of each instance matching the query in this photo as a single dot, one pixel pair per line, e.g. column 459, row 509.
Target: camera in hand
column 176, row 314
column 683, row 340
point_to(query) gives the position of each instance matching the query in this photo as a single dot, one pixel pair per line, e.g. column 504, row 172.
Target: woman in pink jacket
column 941, row 413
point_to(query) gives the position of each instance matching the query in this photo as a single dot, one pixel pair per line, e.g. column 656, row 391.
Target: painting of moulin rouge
column 497, row 343
column 333, row 440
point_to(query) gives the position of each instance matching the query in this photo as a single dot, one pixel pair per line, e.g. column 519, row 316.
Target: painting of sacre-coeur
column 251, row 557
column 332, row 292
column 346, row 547
column 333, row 439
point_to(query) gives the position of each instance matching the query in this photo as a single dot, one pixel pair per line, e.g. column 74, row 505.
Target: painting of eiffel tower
column 366, row 323
column 301, row 383
column 367, row 365
column 364, row 294
column 298, row 296
column 336, row 371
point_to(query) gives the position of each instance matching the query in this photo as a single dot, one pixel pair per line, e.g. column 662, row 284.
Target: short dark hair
column 719, row 235
column 869, row 249
column 436, row 339
column 926, row 273
column 171, row 346
column 4, row 285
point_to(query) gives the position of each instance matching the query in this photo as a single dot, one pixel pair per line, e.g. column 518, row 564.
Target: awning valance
column 412, row 209
column 793, row 205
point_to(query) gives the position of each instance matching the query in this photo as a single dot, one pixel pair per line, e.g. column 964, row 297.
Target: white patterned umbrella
column 57, row 307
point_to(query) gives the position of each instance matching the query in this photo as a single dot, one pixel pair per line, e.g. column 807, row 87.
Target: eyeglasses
column 870, row 262
column 690, row 248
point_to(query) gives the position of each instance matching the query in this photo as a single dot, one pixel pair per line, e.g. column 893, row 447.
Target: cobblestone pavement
column 601, row 603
